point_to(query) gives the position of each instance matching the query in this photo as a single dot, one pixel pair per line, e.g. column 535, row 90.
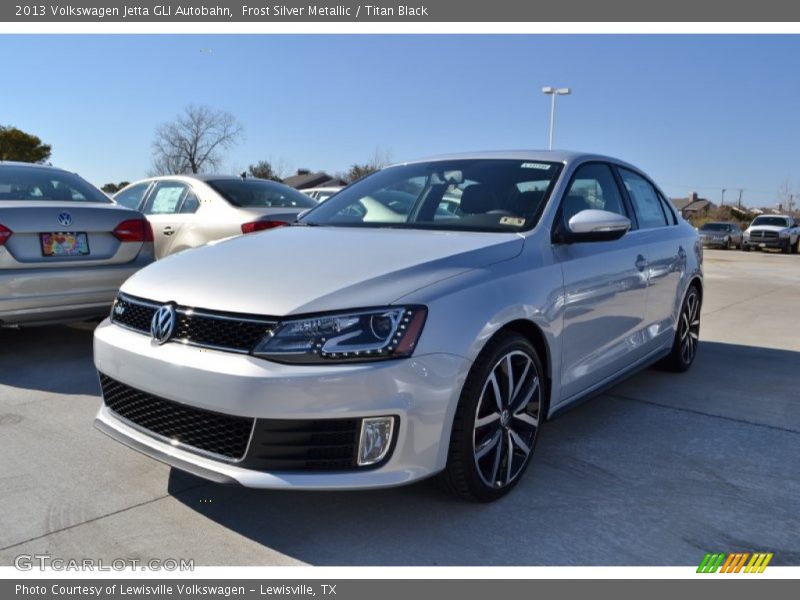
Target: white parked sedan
column 394, row 338
column 187, row 211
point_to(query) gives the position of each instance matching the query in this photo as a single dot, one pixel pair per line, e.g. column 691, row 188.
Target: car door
column 605, row 286
column 162, row 209
column 667, row 253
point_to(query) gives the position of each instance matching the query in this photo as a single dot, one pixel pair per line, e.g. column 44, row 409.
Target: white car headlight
column 784, row 233
column 354, row 336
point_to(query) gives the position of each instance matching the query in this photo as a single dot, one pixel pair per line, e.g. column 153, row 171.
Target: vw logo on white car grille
column 163, row 324
column 65, row 219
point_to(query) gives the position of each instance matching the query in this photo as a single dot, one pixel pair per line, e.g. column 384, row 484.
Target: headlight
column 355, row 336
column 784, row 234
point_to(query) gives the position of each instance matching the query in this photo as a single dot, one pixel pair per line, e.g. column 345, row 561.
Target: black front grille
column 133, row 315
column 198, row 327
column 763, row 235
column 216, row 433
column 304, row 445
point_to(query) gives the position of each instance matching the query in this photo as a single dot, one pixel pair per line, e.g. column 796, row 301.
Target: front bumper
column 709, row 242
column 422, row 392
column 774, row 243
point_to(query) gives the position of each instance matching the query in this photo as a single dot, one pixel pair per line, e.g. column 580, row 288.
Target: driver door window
column 593, row 187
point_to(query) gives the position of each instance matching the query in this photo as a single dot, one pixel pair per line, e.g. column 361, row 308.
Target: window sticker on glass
column 541, row 166
column 515, row 221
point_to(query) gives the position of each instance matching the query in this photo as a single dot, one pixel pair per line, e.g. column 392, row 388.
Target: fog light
column 376, row 438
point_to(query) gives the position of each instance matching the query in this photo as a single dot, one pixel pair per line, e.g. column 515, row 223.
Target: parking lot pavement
column 659, row 470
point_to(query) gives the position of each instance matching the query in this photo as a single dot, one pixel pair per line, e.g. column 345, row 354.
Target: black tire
column 727, row 243
column 796, row 247
column 745, row 247
column 687, row 334
column 785, row 248
column 496, row 420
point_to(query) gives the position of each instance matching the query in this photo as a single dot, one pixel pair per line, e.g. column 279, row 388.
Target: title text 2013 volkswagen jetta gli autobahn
column 426, row 319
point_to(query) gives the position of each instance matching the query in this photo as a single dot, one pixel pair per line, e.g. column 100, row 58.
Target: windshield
column 32, row 183
column 715, row 227
column 776, row 221
column 260, row 193
column 471, row 194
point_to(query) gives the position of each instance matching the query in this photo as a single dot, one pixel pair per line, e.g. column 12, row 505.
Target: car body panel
column 340, row 274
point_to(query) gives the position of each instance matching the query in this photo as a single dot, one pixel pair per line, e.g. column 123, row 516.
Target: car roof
column 14, row 163
column 207, row 177
column 562, row 156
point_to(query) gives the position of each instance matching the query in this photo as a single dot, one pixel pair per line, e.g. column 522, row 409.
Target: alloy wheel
column 507, row 419
column 690, row 326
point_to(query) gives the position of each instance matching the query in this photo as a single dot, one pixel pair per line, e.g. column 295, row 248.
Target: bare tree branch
column 193, row 142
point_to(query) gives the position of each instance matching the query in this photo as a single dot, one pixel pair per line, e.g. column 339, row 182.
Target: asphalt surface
column 658, row 471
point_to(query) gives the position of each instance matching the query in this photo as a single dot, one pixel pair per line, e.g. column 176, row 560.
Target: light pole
column 553, row 92
column 722, row 202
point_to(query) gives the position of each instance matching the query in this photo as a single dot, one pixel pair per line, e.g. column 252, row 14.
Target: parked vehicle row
column 426, row 320
column 320, row 194
column 779, row 232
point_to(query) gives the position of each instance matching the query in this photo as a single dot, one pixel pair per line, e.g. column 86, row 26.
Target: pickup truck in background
column 773, row 231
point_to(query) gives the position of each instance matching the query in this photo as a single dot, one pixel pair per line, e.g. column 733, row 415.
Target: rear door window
column 166, row 198
column 645, row 200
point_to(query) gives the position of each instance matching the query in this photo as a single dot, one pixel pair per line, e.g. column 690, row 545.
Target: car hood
column 778, row 228
column 295, row 270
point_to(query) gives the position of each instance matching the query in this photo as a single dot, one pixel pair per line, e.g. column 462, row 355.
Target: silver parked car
column 395, row 339
column 65, row 247
column 187, row 211
column 721, row 235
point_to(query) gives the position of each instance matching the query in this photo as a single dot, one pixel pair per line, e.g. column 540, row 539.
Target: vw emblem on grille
column 163, row 324
column 64, row 219
column 119, row 308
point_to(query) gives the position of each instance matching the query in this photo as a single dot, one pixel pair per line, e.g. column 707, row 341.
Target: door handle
column 168, row 230
column 641, row 263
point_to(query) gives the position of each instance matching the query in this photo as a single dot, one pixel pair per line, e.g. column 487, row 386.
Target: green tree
column 357, row 171
column 113, row 188
column 264, row 170
column 16, row 144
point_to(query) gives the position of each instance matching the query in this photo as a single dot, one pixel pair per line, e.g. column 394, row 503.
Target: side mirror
column 594, row 226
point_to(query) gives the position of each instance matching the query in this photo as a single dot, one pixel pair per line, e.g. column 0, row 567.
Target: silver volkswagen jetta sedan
column 427, row 319
column 65, row 247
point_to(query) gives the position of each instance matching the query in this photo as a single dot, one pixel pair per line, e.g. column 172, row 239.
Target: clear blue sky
column 696, row 112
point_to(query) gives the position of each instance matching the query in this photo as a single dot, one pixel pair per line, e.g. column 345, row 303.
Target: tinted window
column 715, row 227
column 593, row 187
column 132, row 197
column 33, row 183
column 669, row 210
column 776, row 221
column 470, row 194
column 190, row 203
column 165, row 198
column 259, row 193
column 645, row 200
